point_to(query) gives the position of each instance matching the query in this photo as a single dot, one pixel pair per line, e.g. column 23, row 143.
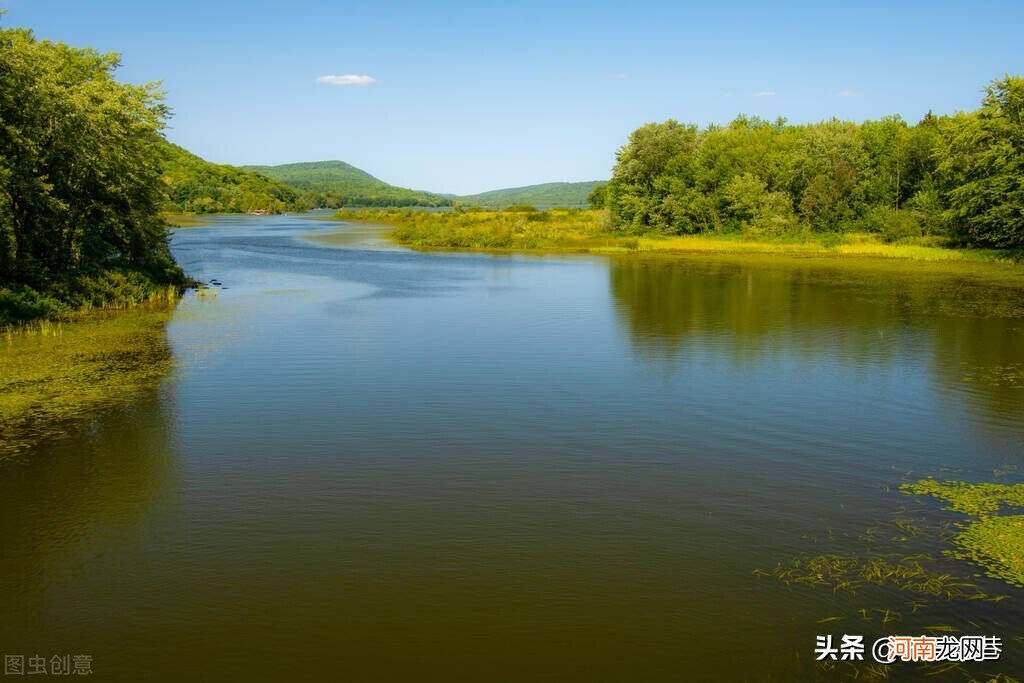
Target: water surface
column 374, row 463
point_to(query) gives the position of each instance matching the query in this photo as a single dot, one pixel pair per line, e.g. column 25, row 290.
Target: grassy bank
column 76, row 295
column 186, row 220
column 580, row 230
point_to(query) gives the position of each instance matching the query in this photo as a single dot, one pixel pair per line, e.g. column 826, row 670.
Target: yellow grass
column 589, row 231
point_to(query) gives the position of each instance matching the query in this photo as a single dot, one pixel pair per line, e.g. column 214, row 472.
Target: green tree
column 655, row 151
column 80, row 186
column 829, row 174
column 981, row 165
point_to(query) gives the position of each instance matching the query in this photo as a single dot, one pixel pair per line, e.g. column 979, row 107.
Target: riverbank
column 587, row 231
column 186, row 220
column 80, row 295
column 582, row 230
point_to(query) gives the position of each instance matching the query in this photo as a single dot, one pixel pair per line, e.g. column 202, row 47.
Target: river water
column 371, row 463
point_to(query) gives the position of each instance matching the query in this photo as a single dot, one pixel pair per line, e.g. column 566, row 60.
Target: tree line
column 958, row 177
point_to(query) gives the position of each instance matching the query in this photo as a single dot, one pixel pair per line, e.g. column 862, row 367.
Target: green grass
column 70, row 296
column 185, row 220
column 554, row 230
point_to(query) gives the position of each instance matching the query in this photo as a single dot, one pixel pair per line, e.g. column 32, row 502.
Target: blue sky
column 478, row 95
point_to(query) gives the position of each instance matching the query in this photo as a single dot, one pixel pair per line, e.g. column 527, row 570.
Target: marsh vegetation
column 55, row 376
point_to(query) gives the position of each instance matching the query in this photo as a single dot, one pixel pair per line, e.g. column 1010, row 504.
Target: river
column 372, row 463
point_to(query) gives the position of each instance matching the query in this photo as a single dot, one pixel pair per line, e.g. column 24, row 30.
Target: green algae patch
column 55, row 376
column 980, row 499
column 997, row 544
column 993, row 541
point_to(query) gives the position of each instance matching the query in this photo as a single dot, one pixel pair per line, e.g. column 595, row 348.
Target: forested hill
column 335, row 183
column 195, row 185
column 544, row 195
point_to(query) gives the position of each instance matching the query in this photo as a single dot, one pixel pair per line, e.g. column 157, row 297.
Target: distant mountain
column 335, row 183
column 544, row 195
column 195, row 185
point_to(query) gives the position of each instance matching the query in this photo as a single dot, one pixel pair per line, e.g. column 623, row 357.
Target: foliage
column 335, row 184
column 982, row 158
column 548, row 195
column 63, row 296
column 960, row 176
column 197, row 186
column 894, row 225
column 597, row 196
column 80, row 185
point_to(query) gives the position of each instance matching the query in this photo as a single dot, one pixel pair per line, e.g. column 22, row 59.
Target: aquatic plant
column 982, row 498
column 54, row 375
column 996, row 543
column 993, row 541
column 851, row 573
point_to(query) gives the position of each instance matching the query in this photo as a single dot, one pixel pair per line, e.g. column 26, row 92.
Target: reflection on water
column 78, row 502
column 379, row 464
column 968, row 334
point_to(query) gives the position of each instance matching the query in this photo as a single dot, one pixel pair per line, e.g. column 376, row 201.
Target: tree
column 80, row 185
column 981, row 167
column 634, row 197
column 596, row 198
column 830, row 170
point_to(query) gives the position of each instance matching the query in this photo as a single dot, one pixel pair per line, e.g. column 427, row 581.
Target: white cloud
column 849, row 92
column 618, row 77
column 765, row 93
column 347, row 79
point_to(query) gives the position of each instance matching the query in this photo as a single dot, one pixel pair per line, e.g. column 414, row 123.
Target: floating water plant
column 996, row 543
column 981, row 499
column 993, row 541
column 53, row 375
column 850, row 573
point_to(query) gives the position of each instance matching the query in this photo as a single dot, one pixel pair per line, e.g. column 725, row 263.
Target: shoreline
column 856, row 254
